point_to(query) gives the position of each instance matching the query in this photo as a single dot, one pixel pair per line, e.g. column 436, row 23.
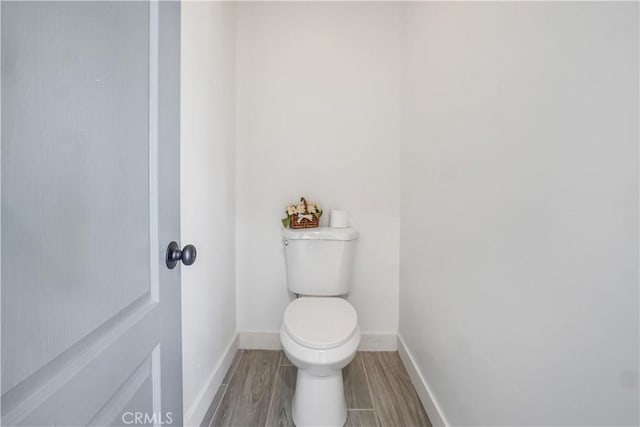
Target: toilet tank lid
column 321, row 233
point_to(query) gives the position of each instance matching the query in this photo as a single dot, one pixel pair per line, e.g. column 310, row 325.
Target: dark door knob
column 174, row 255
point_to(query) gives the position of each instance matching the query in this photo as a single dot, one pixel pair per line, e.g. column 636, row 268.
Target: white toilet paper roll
column 338, row 219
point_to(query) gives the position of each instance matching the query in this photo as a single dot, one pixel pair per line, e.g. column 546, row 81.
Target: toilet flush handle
column 285, row 242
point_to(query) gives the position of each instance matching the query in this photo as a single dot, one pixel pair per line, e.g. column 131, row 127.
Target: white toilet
column 319, row 333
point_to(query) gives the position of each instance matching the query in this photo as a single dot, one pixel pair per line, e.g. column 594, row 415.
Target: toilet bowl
column 320, row 336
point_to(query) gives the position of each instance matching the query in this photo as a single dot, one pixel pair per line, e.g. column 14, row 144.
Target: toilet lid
column 320, row 323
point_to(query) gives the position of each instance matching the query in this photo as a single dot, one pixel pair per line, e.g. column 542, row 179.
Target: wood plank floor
column 258, row 388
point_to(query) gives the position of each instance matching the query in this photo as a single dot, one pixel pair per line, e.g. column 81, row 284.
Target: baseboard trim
column 378, row 342
column 271, row 341
column 259, row 340
column 196, row 412
column 430, row 404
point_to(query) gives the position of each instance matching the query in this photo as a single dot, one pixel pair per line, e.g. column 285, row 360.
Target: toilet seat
column 320, row 322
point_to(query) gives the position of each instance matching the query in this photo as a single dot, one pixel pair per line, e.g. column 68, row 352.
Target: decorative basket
column 309, row 219
column 303, row 221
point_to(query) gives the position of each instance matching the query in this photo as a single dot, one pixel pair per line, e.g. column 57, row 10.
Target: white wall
column 208, row 203
column 318, row 114
column 519, row 236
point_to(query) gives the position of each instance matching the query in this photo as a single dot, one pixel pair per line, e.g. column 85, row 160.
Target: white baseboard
column 271, row 341
column 259, row 340
column 378, row 342
column 436, row 416
column 196, row 412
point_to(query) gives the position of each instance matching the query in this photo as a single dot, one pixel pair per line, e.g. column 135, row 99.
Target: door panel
column 89, row 97
column 90, row 157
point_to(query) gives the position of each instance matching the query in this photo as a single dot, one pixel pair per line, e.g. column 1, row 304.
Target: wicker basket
column 302, row 220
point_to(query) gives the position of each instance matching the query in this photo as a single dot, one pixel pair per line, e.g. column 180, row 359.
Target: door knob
column 187, row 255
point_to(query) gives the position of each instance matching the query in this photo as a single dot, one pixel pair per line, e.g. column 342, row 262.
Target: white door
column 90, row 201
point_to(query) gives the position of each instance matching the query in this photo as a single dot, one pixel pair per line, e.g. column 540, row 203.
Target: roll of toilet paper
column 338, row 219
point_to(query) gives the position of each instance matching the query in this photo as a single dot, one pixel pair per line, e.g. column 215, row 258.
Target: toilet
column 319, row 333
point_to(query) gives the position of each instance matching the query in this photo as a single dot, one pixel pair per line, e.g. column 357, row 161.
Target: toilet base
column 319, row 401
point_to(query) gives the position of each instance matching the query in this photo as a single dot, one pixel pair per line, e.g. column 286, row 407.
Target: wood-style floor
column 258, row 388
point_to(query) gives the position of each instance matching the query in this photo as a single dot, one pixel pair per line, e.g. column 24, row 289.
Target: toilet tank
column 320, row 260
